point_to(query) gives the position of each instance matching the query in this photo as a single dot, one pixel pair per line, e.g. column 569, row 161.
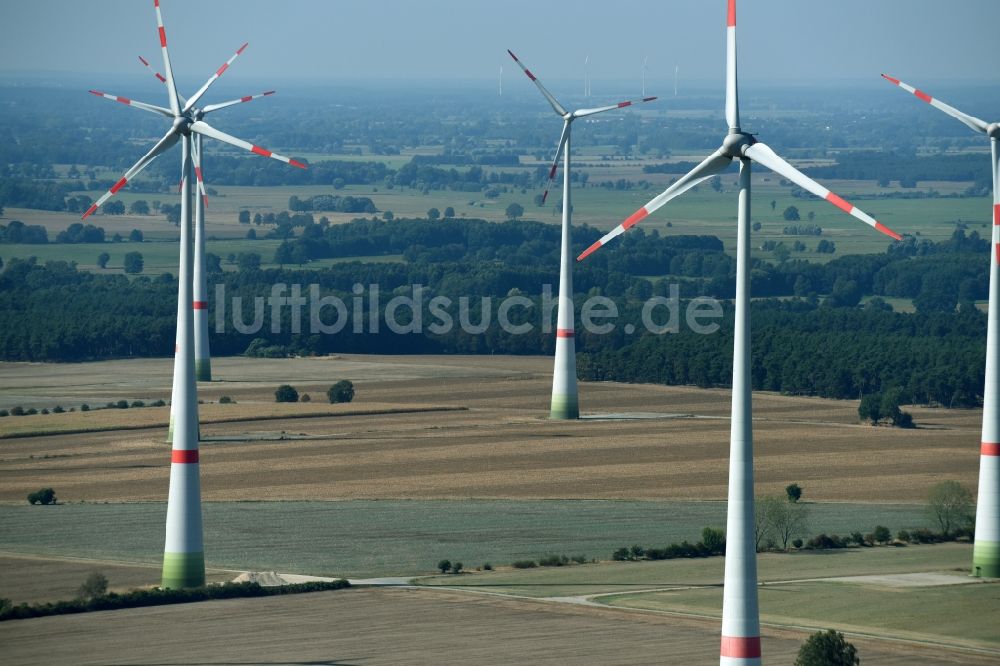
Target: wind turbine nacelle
column 734, row 144
column 993, row 131
column 182, row 125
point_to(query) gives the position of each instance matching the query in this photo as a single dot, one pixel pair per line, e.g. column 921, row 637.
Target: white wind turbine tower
column 500, row 93
column 565, row 401
column 740, row 616
column 986, row 549
column 183, row 557
column 677, row 69
column 645, row 62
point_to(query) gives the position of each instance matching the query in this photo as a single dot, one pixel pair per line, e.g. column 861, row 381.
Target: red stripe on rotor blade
column 222, row 69
column 589, row 251
column 989, row 449
column 565, row 333
column 119, row 185
column 269, row 92
column 887, row 231
column 996, row 214
column 143, row 61
column 731, row 18
column 530, row 75
column 242, row 47
column 635, row 218
column 163, row 37
column 199, row 305
column 184, row 456
column 246, row 99
column 97, row 92
column 123, row 100
column 204, row 200
column 545, row 196
column 197, row 172
column 89, row 212
column 922, row 95
column 648, row 99
column 740, row 647
column 296, row 163
column 552, row 172
column 890, row 79
column 839, row 203
column 261, row 151
column 156, row 3
column 624, row 104
column 161, row 77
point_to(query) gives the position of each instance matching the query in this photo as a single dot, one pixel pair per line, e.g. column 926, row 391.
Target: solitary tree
column 433, row 214
column 827, row 648
column 96, row 585
column 135, row 236
column 514, row 211
column 286, row 393
column 43, row 496
column 950, row 503
column 794, row 492
column 102, row 259
column 342, row 391
column 444, row 566
column 791, row 214
column 133, row 263
column 449, row 213
column 784, row 519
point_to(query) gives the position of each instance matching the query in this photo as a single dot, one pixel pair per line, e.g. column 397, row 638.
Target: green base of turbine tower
column 565, row 408
column 203, row 370
column 183, row 570
column 986, row 559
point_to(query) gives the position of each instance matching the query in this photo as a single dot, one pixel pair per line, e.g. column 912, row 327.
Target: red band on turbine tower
column 184, row 456
column 731, row 19
column 998, row 253
column 989, row 449
column 740, row 647
column 996, row 214
column 199, row 305
column 565, row 333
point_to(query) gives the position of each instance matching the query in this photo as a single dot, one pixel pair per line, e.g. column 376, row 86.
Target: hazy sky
column 780, row 40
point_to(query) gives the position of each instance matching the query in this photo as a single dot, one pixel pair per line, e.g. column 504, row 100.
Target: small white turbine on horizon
column 740, row 614
column 565, row 399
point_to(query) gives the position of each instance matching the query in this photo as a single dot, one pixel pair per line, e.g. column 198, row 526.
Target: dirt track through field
column 502, row 446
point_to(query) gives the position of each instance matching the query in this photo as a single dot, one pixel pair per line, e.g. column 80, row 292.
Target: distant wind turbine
column 565, row 400
column 645, row 61
column 183, row 557
column 740, row 614
column 677, row 69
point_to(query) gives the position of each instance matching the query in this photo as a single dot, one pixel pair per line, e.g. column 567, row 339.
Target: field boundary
column 238, row 419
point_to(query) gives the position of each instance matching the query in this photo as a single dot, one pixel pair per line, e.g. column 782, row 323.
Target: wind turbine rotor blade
column 620, row 105
column 555, row 160
column 175, row 106
column 732, row 95
column 162, row 145
column 713, row 165
column 762, row 154
column 232, row 102
column 161, row 78
column 199, row 181
column 212, row 79
column 552, row 100
column 203, row 128
column 973, row 122
column 131, row 102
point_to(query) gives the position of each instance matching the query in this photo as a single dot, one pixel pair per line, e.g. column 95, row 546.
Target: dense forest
column 818, row 340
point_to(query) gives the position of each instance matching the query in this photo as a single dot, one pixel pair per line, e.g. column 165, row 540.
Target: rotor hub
column 183, row 124
column 734, row 144
column 993, row 131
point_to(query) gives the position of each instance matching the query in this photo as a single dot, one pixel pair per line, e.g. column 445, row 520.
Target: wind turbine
column 677, row 69
column 586, row 76
column 500, row 93
column 565, row 401
column 645, row 62
column 740, row 615
column 986, row 548
column 183, row 557
column 202, row 355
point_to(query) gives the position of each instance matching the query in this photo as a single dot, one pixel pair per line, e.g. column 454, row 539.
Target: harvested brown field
column 393, row 626
column 672, row 445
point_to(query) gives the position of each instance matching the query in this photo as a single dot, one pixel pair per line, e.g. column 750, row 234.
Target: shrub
column 43, row 496
column 636, row 552
column 4, row 412
column 714, row 541
column 58, row 409
column 553, row 561
column 44, row 410
column 225, row 400
column 903, row 536
column 924, row 535
column 17, row 411
column 444, row 566
column 827, row 648
column 620, row 555
column 138, row 403
column 342, row 391
column 96, row 585
column 797, row 543
column 305, row 398
column 578, row 559
column 456, row 567
column 858, row 538
column 524, row 564
column 286, row 393
column 122, row 404
column 882, row 534
column 31, row 412
column 84, row 407
column 794, row 492
column 487, row 567
column 158, row 403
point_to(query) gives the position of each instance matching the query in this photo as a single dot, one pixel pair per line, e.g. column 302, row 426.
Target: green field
column 373, row 538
